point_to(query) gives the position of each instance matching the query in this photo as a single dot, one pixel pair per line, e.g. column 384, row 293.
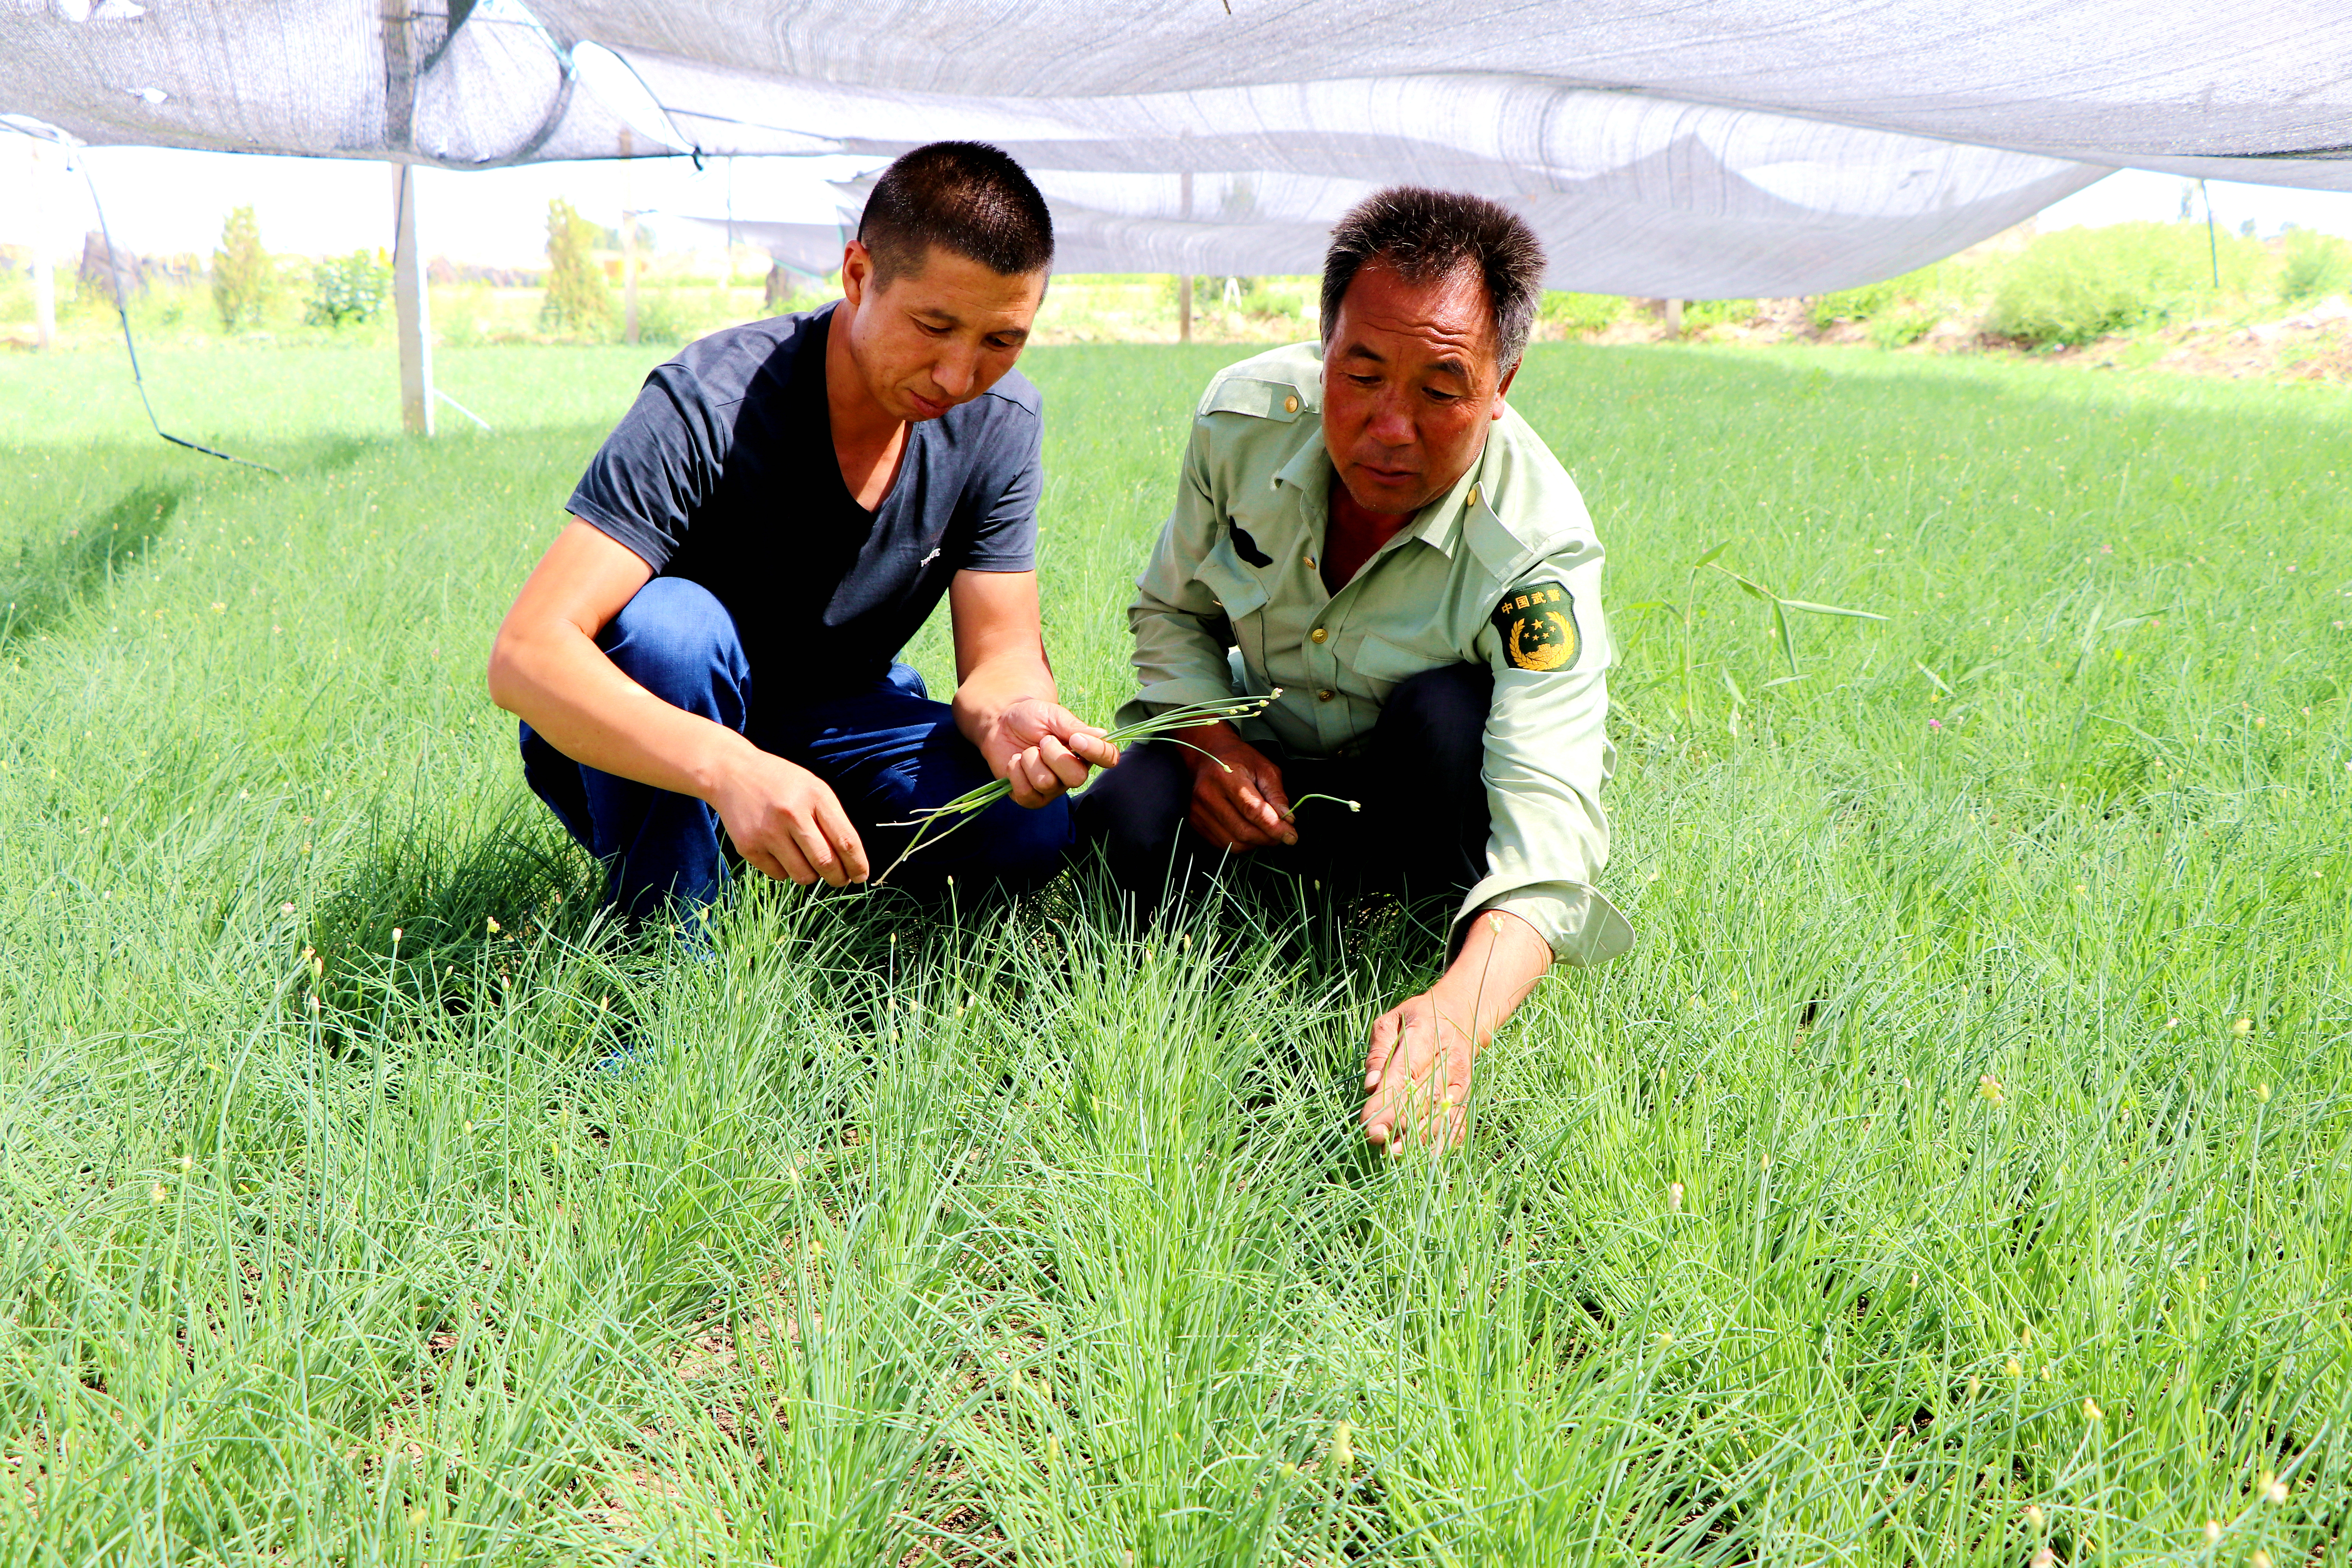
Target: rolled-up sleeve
column 1181, row 632
column 1546, row 756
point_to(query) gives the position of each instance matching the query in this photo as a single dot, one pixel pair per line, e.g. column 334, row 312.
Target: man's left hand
column 1044, row 749
column 1417, row 1071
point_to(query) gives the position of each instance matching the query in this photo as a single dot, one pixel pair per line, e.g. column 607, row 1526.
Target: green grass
column 1921, row 1122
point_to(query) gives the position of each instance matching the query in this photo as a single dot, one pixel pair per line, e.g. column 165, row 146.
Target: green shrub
column 675, row 313
column 168, row 306
column 1872, row 300
column 459, row 309
column 1579, row 312
column 578, row 300
column 1277, row 304
column 1699, row 313
column 1901, row 329
column 243, row 277
column 1854, row 304
column 2078, row 284
column 664, row 317
column 2314, row 266
column 347, row 290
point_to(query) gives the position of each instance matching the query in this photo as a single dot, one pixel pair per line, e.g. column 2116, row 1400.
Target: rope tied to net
column 122, row 307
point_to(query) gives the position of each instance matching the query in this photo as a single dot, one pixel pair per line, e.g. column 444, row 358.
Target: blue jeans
column 889, row 751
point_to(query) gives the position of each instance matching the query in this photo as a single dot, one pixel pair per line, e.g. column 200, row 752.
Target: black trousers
column 1422, row 831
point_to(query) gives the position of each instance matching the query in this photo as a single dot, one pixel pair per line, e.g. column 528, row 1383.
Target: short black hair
column 965, row 196
column 1428, row 235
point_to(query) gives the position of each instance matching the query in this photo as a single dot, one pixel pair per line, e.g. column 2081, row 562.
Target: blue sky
column 160, row 200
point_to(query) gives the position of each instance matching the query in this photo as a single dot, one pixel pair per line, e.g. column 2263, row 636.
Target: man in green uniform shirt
column 1367, row 533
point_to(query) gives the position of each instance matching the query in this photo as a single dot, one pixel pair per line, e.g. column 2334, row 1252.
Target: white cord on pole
column 463, row 409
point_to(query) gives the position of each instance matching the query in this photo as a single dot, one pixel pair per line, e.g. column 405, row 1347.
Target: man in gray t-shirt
column 711, row 642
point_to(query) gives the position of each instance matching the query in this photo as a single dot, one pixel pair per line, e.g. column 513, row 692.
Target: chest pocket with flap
column 1238, row 590
column 1379, row 664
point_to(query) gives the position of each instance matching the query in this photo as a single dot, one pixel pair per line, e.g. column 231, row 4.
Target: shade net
column 1725, row 148
column 813, row 248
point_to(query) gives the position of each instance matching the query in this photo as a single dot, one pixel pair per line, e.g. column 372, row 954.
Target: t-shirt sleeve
column 1006, row 537
column 659, row 463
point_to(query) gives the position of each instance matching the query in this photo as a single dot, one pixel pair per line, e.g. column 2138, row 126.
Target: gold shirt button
column 1319, row 633
column 1311, row 563
column 1290, row 405
column 1325, row 695
column 1473, row 495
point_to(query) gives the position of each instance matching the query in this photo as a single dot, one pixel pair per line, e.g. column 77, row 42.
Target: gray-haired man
column 1365, row 531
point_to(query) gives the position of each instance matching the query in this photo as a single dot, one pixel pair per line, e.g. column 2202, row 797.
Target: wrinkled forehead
column 1442, row 316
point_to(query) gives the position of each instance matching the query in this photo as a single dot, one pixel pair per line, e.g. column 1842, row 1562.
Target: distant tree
column 348, row 289
column 243, row 275
column 577, row 300
column 2316, row 264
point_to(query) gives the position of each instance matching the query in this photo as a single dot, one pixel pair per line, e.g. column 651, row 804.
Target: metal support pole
column 412, row 307
column 45, row 271
column 628, row 238
column 2212, row 245
column 1184, row 280
column 1674, row 320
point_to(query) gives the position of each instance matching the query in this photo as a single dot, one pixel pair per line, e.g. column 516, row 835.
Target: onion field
column 1959, row 1170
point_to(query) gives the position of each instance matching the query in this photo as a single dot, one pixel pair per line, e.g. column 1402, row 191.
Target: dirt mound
column 2312, row 345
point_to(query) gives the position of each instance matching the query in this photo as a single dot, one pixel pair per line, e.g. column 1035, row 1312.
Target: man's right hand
column 1237, row 799
column 787, row 822
column 547, row 670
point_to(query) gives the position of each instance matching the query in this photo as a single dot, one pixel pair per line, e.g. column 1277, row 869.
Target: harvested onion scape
column 954, row 813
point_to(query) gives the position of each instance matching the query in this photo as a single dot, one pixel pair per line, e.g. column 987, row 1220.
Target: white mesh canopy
column 811, row 248
column 1713, row 149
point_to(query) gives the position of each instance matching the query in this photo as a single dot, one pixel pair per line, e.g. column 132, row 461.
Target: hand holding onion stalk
column 1039, row 748
column 942, row 820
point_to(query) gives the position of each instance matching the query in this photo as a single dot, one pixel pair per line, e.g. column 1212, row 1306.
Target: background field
column 2131, row 295
column 1957, row 1169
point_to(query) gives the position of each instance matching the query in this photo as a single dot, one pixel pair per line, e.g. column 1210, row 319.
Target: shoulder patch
column 1538, row 624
